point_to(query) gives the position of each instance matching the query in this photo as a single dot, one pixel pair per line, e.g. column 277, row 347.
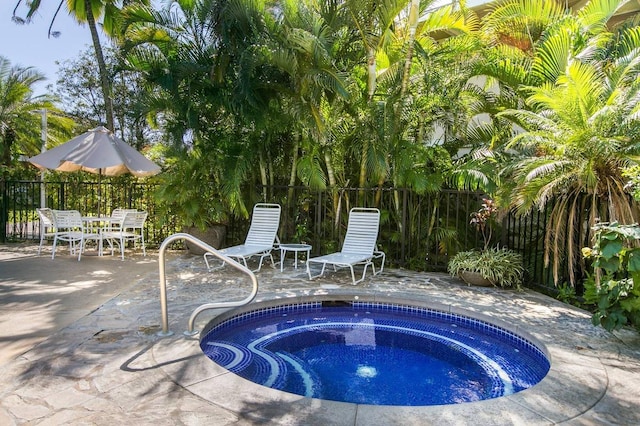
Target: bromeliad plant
column 498, row 266
column 614, row 286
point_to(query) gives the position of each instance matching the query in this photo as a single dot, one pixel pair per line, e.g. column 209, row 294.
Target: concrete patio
column 79, row 345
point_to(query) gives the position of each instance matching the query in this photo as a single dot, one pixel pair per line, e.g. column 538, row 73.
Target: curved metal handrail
column 163, row 282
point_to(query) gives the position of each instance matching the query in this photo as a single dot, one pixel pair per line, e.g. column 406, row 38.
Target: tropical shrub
column 500, row 266
column 613, row 287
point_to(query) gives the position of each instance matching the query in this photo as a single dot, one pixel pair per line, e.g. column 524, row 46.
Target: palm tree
column 89, row 11
column 306, row 52
column 580, row 124
column 20, row 113
column 206, row 64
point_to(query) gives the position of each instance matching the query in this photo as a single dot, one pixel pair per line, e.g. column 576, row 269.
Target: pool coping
column 573, row 385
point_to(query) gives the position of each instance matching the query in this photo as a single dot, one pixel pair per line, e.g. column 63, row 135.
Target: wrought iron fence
column 20, row 199
column 418, row 232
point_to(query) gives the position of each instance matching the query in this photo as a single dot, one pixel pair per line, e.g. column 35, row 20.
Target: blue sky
column 28, row 46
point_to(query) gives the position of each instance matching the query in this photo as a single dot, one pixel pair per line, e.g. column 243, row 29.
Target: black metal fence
column 418, row 232
column 19, row 200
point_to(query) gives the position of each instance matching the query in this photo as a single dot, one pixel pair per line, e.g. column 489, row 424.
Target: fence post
column 4, row 211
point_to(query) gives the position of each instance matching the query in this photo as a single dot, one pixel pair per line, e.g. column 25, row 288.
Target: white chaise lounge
column 260, row 240
column 359, row 246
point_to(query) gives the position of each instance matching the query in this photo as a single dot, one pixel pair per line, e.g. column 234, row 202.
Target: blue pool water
column 375, row 353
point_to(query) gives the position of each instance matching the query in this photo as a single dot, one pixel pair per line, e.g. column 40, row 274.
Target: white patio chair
column 70, row 228
column 118, row 213
column 359, row 246
column 129, row 228
column 260, row 240
column 47, row 226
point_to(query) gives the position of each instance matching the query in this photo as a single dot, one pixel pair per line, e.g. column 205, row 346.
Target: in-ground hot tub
column 379, row 352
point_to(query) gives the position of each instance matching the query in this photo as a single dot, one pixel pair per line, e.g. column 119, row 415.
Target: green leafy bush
column 502, row 267
column 613, row 287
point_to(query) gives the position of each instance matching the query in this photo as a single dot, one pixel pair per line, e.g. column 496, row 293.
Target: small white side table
column 295, row 248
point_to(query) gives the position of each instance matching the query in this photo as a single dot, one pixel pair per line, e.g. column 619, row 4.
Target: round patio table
column 295, row 248
column 95, row 225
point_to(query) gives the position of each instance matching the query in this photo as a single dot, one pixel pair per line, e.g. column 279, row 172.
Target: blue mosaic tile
column 490, row 359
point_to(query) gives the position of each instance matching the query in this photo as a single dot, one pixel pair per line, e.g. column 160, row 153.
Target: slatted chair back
column 46, row 218
column 134, row 220
column 47, row 225
column 68, row 220
column 265, row 222
column 362, row 231
column 117, row 216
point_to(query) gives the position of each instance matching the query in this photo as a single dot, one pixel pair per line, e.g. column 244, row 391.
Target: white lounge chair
column 260, row 240
column 359, row 246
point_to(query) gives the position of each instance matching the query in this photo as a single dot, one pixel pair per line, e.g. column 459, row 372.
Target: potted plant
column 491, row 266
column 187, row 191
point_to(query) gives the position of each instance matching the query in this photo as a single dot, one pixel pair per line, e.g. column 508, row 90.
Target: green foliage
column 78, row 87
column 188, row 190
column 567, row 294
column 614, row 291
column 580, row 124
column 633, row 174
column 20, row 116
column 502, row 267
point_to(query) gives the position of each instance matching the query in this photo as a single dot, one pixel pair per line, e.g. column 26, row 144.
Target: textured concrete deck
column 78, row 345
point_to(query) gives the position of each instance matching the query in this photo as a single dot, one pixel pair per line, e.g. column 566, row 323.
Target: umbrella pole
column 43, row 136
column 99, row 191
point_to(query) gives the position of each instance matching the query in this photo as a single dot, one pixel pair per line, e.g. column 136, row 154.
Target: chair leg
column 380, row 255
column 259, row 264
column 364, row 273
column 353, row 277
column 209, row 267
column 122, row 240
column 324, row 265
column 53, row 250
column 81, row 248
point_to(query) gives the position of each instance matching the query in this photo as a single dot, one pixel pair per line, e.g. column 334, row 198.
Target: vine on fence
column 614, row 287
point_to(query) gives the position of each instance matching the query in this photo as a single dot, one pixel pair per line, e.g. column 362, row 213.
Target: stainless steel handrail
column 163, row 283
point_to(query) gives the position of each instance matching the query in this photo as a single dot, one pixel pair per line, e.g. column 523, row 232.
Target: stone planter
column 213, row 235
column 474, row 278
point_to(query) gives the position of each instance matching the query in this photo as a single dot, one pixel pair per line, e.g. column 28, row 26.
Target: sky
column 28, row 46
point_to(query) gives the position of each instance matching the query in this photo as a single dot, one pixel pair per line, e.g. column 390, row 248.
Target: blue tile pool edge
column 471, row 318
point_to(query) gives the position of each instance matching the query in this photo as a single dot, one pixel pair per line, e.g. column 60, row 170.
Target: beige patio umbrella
column 96, row 151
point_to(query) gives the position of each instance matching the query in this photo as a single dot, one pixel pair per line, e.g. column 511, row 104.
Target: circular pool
column 380, row 353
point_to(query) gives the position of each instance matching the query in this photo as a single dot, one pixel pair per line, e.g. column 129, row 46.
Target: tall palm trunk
column 8, row 139
column 294, row 165
column 102, row 66
column 263, row 175
column 372, row 71
column 413, row 25
column 363, row 165
column 331, row 175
